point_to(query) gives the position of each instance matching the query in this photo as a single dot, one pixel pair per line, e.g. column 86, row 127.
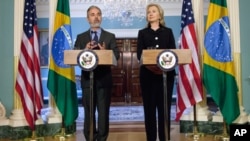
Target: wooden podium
column 149, row 57
column 105, row 57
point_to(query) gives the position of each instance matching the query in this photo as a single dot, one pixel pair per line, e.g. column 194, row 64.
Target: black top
column 161, row 38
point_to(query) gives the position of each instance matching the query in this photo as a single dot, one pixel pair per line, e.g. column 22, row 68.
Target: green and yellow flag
column 218, row 68
column 61, row 77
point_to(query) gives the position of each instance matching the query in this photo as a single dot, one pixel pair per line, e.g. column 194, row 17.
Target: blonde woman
column 157, row 36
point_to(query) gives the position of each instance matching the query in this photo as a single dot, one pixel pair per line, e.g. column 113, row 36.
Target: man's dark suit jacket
column 102, row 74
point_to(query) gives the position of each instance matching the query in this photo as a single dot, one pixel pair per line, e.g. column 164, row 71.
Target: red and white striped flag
column 189, row 87
column 28, row 81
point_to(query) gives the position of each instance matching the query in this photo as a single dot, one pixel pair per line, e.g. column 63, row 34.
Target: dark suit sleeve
column 114, row 47
column 110, row 41
column 77, row 43
column 171, row 74
column 139, row 45
column 171, row 40
column 82, row 40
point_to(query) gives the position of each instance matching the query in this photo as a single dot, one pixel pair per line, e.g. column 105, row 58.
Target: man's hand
column 102, row 46
column 92, row 45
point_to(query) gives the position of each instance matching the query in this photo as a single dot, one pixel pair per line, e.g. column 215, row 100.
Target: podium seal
column 87, row 60
column 167, row 60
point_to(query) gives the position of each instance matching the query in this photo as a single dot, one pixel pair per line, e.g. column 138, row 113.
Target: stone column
column 3, row 119
column 53, row 115
column 17, row 118
column 233, row 12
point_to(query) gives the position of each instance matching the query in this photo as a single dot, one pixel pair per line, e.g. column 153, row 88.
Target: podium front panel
column 149, row 56
column 106, row 57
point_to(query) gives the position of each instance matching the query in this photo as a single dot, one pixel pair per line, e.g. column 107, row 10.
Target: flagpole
column 224, row 136
column 33, row 136
column 195, row 135
column 62, row 135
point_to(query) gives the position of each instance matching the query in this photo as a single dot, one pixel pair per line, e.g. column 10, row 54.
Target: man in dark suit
column 102, row 75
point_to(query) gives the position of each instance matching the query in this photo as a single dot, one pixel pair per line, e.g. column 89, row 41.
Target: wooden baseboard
column 135, row 126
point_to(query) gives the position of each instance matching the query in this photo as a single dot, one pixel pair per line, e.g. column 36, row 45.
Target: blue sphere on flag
column 217, row 40
column 61, row 41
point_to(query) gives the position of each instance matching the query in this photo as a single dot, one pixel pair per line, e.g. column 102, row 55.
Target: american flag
column 28, row 80
column 189, row 87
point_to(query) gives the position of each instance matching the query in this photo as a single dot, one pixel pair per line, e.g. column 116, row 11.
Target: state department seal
column 167, row 60
column 87, row 60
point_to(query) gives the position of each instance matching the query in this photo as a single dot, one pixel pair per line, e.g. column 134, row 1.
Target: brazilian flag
column 218, row 66
column 61, row 78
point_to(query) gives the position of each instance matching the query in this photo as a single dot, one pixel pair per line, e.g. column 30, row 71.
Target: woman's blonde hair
column 161, row 12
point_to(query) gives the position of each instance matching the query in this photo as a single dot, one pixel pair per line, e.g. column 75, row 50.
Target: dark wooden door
column 126, row 85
